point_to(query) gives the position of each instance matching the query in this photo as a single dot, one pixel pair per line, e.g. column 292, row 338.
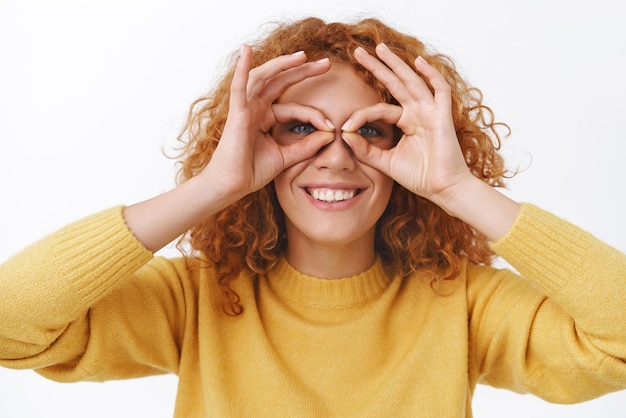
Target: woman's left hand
column 428, row 159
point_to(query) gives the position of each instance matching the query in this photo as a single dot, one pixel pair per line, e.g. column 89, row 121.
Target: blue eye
column 303, row 128
column 368, row 131
column 378, row 134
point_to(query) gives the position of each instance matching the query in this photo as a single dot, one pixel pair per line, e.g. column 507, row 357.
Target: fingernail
column 298, row 53
column 347, row 125
column 322, row 60
column 330, row 124
column 422, row 60
column 359, row 48
column 345, row 141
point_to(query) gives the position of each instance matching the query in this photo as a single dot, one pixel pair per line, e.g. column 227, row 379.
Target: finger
column 277, row 85
column 441, row 87
column 383, row 112
column 409, row 78
column 238, row 87
column 288, row 112
column 367, row 153
column 306, row 148
column 259, row 75
column 383, row 74
column 271, row 79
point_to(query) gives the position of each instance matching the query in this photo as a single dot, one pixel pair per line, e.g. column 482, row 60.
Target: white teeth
column 327, row 195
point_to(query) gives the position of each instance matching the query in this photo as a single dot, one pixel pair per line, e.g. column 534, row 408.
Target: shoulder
column 183, row 271
column 191, row 276
column 190, row 266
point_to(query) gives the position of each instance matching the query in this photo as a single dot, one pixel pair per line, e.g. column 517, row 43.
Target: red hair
column 412, row 234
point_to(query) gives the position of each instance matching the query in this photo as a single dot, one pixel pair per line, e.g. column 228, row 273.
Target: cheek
column 283, row 183
column 383, row 184
column 386, row 189
column 279, row 186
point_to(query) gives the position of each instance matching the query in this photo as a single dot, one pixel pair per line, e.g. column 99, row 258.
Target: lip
column 341, row 205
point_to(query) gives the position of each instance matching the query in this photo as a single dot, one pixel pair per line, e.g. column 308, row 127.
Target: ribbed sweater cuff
column 580, row 272
column 542, row 245
column 95, row 253
column 56, row 279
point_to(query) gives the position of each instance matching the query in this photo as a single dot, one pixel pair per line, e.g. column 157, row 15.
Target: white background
column 93, row 92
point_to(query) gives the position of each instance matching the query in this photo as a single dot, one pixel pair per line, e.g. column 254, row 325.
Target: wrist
column 479, row 205
column 454, row 198
column 207, row 197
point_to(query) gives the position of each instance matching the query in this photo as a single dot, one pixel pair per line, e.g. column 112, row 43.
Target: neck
column 330, row 261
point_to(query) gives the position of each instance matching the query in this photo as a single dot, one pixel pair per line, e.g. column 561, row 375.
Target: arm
column 53, row 282
column 559, row 331
column 47, row 290
column 563, row 337
column 83, row 304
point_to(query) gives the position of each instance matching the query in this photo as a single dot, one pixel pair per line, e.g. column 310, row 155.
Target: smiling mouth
column 332, row 195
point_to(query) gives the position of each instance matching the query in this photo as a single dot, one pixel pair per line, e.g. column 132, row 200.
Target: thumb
column 306, row 148
column 367, row 153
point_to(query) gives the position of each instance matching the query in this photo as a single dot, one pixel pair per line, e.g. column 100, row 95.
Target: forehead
column 340, row 83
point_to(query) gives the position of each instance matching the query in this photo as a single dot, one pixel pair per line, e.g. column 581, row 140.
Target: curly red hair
column 412, row 234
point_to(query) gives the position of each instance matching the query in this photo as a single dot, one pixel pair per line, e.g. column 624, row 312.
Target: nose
column 335, row 155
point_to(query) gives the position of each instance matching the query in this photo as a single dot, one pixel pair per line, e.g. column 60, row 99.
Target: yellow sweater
column 90, row 303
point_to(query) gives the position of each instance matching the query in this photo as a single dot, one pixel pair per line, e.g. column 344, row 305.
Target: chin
column 333, row 236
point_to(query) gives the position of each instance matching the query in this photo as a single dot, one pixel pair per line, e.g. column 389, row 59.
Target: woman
column 338, row 189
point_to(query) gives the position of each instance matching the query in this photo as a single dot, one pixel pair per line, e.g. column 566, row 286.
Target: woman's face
column 332, row 200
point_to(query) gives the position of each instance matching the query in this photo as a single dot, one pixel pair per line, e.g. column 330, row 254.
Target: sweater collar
column 289, row 284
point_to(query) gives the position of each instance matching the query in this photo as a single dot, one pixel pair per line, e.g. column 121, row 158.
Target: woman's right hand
column 247, row 157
